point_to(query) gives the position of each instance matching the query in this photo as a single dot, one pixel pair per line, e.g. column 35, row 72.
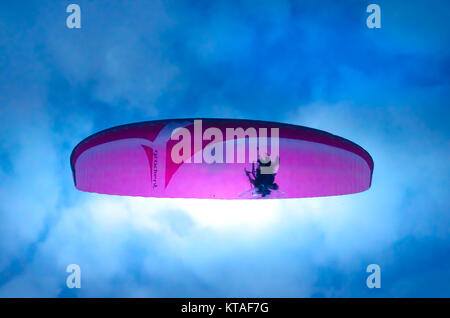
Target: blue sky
column 312, row 63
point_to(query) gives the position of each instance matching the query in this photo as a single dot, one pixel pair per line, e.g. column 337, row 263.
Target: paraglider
column 219, row 159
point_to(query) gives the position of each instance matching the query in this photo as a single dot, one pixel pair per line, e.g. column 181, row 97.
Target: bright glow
column 219, row 214
column 150, row 213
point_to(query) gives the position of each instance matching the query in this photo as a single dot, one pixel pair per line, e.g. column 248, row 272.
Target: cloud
column 280, row 60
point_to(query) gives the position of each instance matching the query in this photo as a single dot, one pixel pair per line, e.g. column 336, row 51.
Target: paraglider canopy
column 219, row 159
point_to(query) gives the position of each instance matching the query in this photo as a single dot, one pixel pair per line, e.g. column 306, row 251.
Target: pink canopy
column 138, row 160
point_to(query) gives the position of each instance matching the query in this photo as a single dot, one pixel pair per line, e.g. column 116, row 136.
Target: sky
column 311, row 63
